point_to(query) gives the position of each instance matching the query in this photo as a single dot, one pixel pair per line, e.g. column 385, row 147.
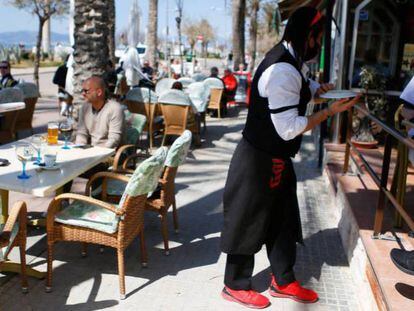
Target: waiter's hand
column 343, row 104
column 323, row 88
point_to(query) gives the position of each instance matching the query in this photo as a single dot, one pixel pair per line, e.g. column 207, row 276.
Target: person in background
column 64, row 97
column 147, row 70
column 177, row 86
column 244, row 78
column 110, row 77
column 230, row 85
column 7, row 79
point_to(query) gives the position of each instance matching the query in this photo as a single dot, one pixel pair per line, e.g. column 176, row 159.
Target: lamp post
column 178, row 20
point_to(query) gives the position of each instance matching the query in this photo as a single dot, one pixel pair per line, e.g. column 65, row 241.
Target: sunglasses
column 85, row 91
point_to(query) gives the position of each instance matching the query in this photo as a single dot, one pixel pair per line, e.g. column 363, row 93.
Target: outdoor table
column 72, row 162
column 12, row 106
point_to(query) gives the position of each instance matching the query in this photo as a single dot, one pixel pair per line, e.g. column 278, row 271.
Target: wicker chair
column 134, row 126
column 89, row 220
column 9, row 119
column 25, row 117
column 143, row 101
column 162, row 199
column 12, row 234
column 178, row 115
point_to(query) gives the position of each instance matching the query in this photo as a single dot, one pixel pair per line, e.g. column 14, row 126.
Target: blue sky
column 213, row 10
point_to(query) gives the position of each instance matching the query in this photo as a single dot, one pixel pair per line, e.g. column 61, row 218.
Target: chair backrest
column 198, row 94
column 29, row 90
column 199, row 77
column 134, row 126
column 145, row 177
column 25, row 117
column 174, row 97
column 11, row 95
column 213, row 83
column 141, row 95
column 185, row 81
column 163, row 85
column 178, row 150
column 215, row 98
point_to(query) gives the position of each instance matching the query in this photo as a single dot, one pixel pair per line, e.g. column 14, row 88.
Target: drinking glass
column 24, row 153
column 52, row 133
column 66, row 130
column 37, row 141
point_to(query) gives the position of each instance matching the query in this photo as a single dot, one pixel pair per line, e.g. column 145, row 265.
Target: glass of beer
column 52, row 133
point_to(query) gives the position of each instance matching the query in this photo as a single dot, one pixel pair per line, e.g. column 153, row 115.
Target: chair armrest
column 105, row 176
column 18, row 212
column 119, row 153
column 55, row 205
column 133, row 157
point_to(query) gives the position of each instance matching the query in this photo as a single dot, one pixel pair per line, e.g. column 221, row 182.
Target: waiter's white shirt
column 281, row 84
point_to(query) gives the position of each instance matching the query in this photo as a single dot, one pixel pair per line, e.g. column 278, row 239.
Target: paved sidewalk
column 191, row 277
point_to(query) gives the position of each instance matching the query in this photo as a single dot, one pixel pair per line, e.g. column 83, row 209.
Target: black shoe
column 403, row 259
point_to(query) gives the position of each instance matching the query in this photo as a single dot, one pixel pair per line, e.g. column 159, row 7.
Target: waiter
column 260, row 201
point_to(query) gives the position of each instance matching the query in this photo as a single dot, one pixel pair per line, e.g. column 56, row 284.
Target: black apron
column 259, row 198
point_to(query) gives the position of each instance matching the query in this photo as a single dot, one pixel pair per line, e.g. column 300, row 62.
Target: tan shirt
column 101, row 128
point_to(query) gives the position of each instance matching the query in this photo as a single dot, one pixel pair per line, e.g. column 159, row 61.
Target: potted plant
column 373, row 84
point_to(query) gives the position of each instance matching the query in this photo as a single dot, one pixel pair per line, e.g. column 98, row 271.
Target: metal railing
column 381, row 181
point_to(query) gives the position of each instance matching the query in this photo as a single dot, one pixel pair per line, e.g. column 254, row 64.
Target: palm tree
column 254, row 6
column 111, row 26
column 91, row 51
column 152, row 32
column 238, row 12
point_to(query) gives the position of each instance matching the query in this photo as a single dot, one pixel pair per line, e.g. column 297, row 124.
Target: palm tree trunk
column 238, row 12
column 253, row 32
column 38, row 51
column 111, row 26
column 152, row 40
column 91, row 51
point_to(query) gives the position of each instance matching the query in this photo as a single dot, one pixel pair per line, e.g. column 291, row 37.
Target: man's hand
column 342, row 105
column 325, row 87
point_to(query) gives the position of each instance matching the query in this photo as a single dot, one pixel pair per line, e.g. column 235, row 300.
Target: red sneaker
column 294, row 291
column 247, row 298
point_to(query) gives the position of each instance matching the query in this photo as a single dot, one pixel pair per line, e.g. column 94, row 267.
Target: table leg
column 10, row 266
column 4, row 196
column 41, row 222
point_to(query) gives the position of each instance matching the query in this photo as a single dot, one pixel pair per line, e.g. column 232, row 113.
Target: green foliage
column 41, row 8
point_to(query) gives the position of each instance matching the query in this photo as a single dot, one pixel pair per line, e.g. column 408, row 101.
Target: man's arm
column 82, row 133
column 116, row 125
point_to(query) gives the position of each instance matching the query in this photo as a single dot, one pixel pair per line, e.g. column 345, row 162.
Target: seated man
column 6, row 77
column 230, row 84
column 101, row 121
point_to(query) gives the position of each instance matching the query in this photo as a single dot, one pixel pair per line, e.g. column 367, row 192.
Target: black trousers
column 281, row 251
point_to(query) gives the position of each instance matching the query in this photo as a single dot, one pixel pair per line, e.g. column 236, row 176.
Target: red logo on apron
column 277, row 168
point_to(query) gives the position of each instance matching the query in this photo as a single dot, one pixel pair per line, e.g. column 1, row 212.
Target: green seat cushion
column 83, row 214
column 4, row 250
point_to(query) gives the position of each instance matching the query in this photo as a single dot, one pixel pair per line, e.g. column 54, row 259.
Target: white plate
column 338, row 94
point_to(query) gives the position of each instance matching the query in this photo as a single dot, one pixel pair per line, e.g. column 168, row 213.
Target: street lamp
column 178, row 20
